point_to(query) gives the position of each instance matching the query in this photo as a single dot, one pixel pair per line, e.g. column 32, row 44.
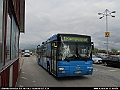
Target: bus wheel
column 48, row 69
column 39, row 62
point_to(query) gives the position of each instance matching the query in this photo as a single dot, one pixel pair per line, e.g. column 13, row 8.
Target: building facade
column 12, row 23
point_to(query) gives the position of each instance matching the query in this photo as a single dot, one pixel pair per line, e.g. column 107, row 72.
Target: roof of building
column 22, row 16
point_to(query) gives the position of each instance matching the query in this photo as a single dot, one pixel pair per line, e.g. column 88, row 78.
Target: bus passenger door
column 54, row 58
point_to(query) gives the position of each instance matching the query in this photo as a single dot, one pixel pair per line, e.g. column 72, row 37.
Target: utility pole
column 107, row 34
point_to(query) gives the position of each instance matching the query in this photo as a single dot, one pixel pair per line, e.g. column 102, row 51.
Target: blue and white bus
column 66, row 55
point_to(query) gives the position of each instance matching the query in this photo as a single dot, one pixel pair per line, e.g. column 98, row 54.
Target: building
column 12, row 23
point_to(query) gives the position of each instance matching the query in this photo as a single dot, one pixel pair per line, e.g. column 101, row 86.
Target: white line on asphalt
column 33, row 81
column 112, row 70
column 23, row 72
column 23, row 77
column 20, row 86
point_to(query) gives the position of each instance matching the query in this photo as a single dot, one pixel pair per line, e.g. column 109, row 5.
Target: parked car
column 96, row 59
column 102, row 56
column 31, row 53
column 112, row 61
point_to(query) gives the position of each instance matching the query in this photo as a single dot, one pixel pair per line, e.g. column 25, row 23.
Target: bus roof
column 55, row 36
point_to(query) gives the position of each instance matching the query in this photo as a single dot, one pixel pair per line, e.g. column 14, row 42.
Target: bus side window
column 54, row 44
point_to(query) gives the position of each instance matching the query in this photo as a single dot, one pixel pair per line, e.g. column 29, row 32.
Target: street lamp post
column 107, row 34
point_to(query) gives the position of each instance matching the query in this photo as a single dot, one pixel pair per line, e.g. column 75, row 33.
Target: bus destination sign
column 76, row 39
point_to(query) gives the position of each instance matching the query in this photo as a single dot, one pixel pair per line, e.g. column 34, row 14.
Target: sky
column 44, row 18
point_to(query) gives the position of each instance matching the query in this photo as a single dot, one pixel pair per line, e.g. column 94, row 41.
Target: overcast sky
column 47, row 17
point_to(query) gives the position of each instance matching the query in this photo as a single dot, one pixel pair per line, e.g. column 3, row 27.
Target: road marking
column 33, row 81
column 20, row 86
column 112, row 70
column 23, row 77
column 95, row 69
column 23, row 72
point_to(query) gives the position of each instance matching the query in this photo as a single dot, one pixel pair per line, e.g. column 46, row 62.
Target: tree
column 114, row 51
column 103, row 51
column 96, row 50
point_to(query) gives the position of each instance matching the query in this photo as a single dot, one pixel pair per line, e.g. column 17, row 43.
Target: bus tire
column 39, row 61
column 48, row 69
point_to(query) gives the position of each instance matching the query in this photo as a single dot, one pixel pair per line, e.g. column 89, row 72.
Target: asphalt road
column 32, row 75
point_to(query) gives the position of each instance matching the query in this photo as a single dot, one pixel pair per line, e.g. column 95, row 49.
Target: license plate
column 77, row 72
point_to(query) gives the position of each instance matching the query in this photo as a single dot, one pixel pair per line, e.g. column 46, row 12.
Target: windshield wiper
column 68, row 58
column 71, row 57
column 83, row 57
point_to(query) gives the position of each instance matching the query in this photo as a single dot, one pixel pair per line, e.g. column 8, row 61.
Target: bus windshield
column 74, row 51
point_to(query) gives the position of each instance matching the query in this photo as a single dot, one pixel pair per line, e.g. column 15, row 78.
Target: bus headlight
column 61, row 69
column 90, row 67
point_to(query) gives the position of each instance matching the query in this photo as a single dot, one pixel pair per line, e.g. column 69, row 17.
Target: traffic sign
column 107, row 34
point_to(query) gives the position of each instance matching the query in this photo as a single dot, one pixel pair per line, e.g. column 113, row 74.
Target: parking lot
column 33, row 75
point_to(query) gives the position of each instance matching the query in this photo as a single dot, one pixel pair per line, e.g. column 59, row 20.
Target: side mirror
column 92, row 45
